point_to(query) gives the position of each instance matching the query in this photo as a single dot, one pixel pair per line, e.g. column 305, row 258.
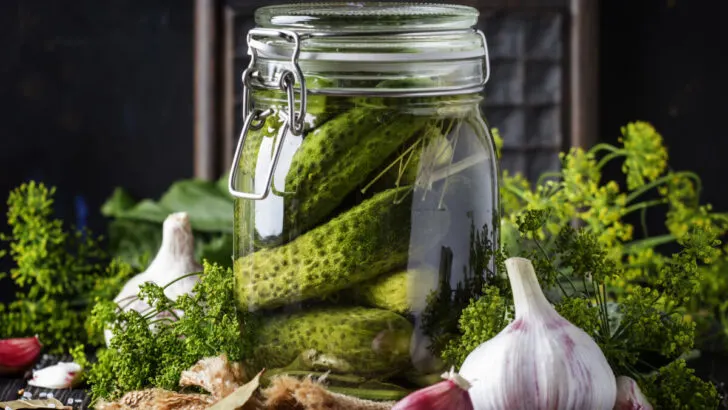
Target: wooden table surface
column 17, row 388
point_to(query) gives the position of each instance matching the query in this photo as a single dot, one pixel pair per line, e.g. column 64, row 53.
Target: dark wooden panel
column 95, row 95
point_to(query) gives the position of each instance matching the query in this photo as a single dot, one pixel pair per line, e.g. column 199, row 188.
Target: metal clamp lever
column 285, row 82
column 232, row 178
column 294, row 121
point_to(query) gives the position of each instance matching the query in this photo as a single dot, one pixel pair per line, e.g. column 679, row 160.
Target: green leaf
column 222, row 185
column 208, row 205
column 119, row 202
column 209, row 210
column 134, row 242
column 218, row 249
column 147, row 210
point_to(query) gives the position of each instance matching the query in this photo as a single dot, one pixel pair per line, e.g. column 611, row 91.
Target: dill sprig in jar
column 366, row 185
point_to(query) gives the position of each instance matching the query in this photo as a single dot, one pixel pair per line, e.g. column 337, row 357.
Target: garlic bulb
column 540, row 361
column 174, row 259
column 629, row 395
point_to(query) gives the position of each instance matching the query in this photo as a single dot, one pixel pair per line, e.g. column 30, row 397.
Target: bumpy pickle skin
column 363, row 242
column 401, row 291
column 389, row 292
column 362, row 341
column 337, row 157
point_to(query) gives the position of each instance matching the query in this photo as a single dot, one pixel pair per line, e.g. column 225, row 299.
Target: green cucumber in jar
column 337, row 157
column 402, row 291
column 361, row 243
column 343, row 340
column 415, row 162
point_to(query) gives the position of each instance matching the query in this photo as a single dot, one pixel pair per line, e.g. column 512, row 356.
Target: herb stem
column 162, row 319
column 637, row 245
column 586, row 288
column 602, row 310
column 644, row 205
column 547, row 175
column 606, row 311
column 385, row 170
column 561, row 288
column 548, row 259
column 182, row 277
column 636, row 193
column 132, row 299
column 517, row 192
column 603, row 147
column 610, row 157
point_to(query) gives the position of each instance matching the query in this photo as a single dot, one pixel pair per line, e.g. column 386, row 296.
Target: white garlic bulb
column 630, row 396
column 175, row 259
column 540, row 361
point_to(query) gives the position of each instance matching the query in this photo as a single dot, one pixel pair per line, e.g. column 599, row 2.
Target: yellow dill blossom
column 646, row 156
column 580, row 174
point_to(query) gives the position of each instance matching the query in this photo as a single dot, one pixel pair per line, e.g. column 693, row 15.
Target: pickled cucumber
column 368, row 240
column 337, row 157
column 363, row 341
column 389, row 291
column 415, row 162
column 402, row 291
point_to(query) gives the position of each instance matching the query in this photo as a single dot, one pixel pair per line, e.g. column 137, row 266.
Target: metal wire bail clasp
column 254, row 118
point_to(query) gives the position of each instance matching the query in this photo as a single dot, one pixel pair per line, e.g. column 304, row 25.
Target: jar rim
column 358, row 46
column 366, row 16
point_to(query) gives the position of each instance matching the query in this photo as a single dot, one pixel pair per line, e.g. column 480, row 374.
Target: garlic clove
column 18, row 354
column 630, row 396
column 450, row 394
column 61, row 375
column 540, row 361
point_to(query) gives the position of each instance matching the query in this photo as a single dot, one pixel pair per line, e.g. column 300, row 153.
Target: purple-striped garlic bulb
column 540, row 361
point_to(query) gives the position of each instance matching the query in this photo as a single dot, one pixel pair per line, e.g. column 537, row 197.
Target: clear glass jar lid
column 357, row 45
column 367, row 16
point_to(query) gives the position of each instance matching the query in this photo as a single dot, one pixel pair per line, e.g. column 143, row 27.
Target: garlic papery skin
column 61, row 375
column 540, row 361
column 629, row 395
column 450, row 394
column 18, row 353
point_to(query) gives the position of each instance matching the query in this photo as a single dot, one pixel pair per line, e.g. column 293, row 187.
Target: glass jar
column 366, row 185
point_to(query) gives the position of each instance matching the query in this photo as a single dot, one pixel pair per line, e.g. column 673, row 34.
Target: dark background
column 93, row 95
column 666, row 62
column 98, row 94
